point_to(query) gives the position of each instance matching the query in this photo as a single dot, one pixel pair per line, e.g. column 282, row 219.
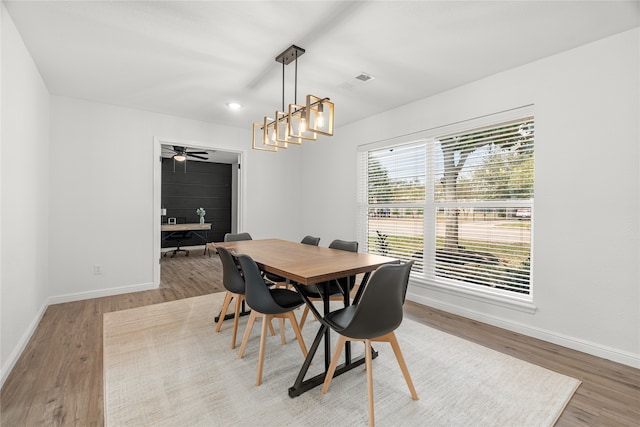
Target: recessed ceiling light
column 234, row 106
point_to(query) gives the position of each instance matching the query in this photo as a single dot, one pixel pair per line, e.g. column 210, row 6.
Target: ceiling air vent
column 364, row 77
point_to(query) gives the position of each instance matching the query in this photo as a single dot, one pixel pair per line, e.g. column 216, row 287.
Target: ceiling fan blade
column 197, row 152
column 197, row 157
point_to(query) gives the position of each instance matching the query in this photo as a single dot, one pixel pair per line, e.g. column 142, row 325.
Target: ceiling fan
column 181, row 154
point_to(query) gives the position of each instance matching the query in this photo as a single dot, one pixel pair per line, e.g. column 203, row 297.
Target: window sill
column 488, row 296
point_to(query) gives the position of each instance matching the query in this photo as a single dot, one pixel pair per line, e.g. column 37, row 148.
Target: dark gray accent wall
column 206, row 185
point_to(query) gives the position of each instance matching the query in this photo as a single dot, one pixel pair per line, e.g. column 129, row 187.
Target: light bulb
column 273, row 135
column 303, row 125
column 320, row 116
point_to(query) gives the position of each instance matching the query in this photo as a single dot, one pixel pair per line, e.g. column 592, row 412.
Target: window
column 458, row 203
column 395, row 201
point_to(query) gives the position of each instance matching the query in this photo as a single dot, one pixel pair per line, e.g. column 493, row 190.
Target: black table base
column 301, row 385
column 230, row 316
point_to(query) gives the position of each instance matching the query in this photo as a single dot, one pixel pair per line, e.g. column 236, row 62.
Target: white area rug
column 165, row 366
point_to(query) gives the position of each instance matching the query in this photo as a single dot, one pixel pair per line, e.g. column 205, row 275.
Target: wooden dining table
column 305, row 265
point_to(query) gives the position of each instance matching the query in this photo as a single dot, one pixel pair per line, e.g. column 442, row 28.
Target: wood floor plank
column 58, row 379
column 609, row 394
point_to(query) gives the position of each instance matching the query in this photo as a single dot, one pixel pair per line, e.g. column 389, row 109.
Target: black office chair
column 234, row 284
column 373, row 319
column 236, row 237
column 179, row 237
column 307, row 240
column 267, row 303
column 336, row 289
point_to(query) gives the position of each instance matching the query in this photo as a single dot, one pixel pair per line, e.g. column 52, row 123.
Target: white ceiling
column 189, row 59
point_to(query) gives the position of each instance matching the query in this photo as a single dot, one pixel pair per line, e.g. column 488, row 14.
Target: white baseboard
column 77, row 296
column 24, row 340
column 591, row 348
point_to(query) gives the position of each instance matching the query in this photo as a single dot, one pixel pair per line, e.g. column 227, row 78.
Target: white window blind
column 460, row 205
column 483, row 205
column 394, row 201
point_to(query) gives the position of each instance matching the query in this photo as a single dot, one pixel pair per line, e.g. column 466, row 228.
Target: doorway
column 201, row 159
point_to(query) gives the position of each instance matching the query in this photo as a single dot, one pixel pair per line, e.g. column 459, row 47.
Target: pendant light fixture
column 299, row 122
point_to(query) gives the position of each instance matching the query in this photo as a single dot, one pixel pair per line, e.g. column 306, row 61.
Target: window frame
column 427, row 278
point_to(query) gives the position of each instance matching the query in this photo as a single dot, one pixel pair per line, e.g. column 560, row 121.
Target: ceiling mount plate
column 290, row 55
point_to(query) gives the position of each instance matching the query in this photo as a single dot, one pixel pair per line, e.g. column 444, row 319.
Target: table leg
column 301, row 385
column 327, row 333
column 363, row 283
column 206, row 237
column 347, row 346
column 229, row 316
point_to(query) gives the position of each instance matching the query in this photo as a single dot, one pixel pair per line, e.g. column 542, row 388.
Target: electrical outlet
column 97, row 269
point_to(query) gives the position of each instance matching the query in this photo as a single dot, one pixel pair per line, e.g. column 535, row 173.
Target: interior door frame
column 240, row 178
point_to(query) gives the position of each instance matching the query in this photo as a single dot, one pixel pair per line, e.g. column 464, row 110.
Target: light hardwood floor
column 58, row 379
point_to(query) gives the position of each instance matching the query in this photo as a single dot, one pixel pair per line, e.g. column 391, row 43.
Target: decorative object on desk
column 300, row 122
column 201, row 213
column 460, row 382
column 171, row 221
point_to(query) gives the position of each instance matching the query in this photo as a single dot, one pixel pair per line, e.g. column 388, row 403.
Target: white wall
column 102, row 193
column 586, row 238
column 24, row 180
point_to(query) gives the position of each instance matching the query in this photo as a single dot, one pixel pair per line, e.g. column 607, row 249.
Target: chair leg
column 334, row 363
column 266, row 323
column 283, row 339
column 236, row 317
column 403, row 365
column 223, row 312
column 247, row 332
column 304, row 316
column 296, row 330
column 391, row 339
column 305, row 313
column 266, row 319
column 369, row 365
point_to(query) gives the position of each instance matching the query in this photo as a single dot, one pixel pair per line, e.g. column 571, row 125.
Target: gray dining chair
column 334, row 290
column 233, row 237
column 234, row 284
column 374, row 319
column 268, row 304
column 236, row 237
